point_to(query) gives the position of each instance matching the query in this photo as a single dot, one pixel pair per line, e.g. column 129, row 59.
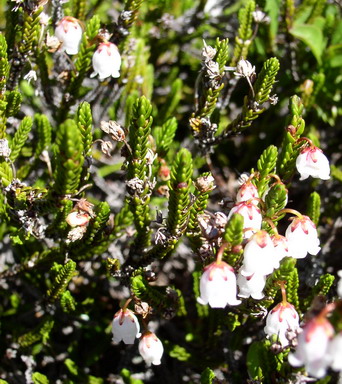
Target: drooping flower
column 218, row 285
column 246, row 192
column 251, row 216
column 69, row 32
column 125, row 326
column 312, row 349
column 312, row 162
column 302, row 237
column 151, row 348
column 281, row 248
column 106, row 61
column 259, row 255
column 335, row 352
column 282, row 319
column 251, row 286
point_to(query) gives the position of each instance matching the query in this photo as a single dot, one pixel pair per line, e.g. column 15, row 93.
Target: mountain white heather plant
column 302, row 237
column 69, row 33
column 151, row 348
column 259, row 255
column 125, row 326
column 282, row 319
column 312, row 162
column 313, row 346
column 251, row 216
column 251, row 286
column 218, row 285
column 106, row 61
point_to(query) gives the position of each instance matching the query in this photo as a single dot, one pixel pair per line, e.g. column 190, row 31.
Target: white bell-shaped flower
column 335, row 352
column 106, row 61
column 302, row 238
column 281, row 248
column 312, row 349
column 246, row 192
column 251, row 216
column 258, row 255
column 339, row 284
column 218, row 285
column 151, row 348
column 69, row 32
column 251, row 286
column 280, row 320
column 312, row 162
column 125, row 326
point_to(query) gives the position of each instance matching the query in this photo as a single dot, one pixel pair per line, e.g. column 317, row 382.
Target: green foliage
column 245, row 32
column 314, row 207
column 63, row 275
column 84, row 121
column 128, row 379
column 266, row 165
column 20, row 137
column 164, row 136
column 39, row 378
column 44, row 129
column 30, row 33
column 67, row 302
column 4, row 65
column 321, row 288
column 207, row 376
column 275, row 200
column 40, row 334
column 13, row 100
column 233, row 235
column 68, row 158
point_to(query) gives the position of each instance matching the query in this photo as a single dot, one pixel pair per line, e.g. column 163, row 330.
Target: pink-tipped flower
column 77, row 219
column 259, row 255
column 151, row 348
column 125, row 326
column 302, row 238
column 335, row 352
column 281, row 248
column 312, row 349
column 251, row 216
column 251, row 286
column 246, row 192
column 106, row 61
column 69, row 32
column 312, row 162
column 218, row 285
column 280, row 320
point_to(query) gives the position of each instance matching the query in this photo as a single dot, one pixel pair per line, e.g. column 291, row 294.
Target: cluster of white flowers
column 106, row 59
column 126, row 328
column 318, row 347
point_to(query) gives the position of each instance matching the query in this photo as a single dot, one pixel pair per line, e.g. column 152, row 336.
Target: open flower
column 69, row 32
column 302, row 237
column 218, row 285
column 312, row 349
column 280, row 320
column 251, row 286
column 125, row 326
column 151, row 348
column 312, row 162
column 281, row 248
column 106, row 61
column 251, row 216
column 259, row 255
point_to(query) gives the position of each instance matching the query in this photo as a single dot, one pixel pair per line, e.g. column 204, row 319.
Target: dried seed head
column 114, row 130
column 205, row 183
column 244, row 69
column 5, row 150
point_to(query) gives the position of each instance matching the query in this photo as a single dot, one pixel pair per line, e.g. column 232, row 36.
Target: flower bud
column 218, row 285
column 280, row 320
column 75, row 219
column 69, row 32
column 125, row 327
column 151, row 348
column 106, row 61
column 302, row 238
column 312, row 349
column 312, row 162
